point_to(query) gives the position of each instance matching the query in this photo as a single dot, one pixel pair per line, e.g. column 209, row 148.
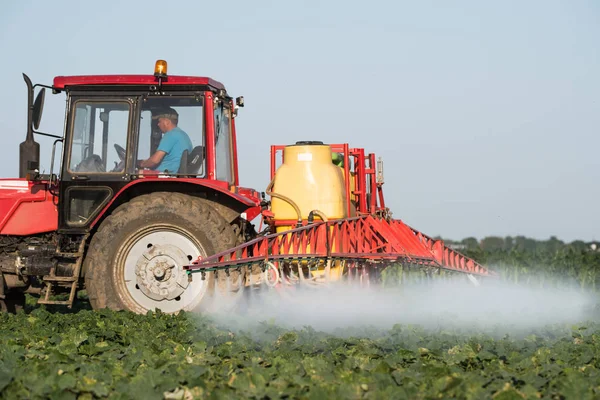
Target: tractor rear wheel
column 135, row 260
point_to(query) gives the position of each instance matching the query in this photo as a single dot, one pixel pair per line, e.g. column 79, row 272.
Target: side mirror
column 38, row 107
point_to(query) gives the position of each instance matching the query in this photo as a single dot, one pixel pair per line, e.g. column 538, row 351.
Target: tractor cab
column 114, row 140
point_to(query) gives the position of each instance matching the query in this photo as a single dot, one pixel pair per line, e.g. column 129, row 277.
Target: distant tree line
column 520, row 243
column 538, row 263
column 549, row 262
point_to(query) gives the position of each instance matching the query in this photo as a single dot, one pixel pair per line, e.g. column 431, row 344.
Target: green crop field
column 85, row 354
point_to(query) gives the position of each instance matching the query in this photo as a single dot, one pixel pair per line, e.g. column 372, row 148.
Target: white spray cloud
column 496, row 307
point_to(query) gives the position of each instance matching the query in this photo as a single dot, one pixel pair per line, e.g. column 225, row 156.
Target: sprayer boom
column 365, row 242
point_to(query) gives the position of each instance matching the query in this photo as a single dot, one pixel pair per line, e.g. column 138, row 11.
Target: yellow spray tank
column 311, row 181
column 308, row 181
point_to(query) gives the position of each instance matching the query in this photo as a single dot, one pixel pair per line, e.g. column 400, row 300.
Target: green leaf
column 66, row 381
column 6, row 376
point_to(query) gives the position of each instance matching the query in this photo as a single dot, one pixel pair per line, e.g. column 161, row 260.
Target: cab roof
column 65, row 82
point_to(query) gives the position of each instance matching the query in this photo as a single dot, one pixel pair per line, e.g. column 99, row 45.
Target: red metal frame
column 61, row 82
column 234, row 146
column 211, row 157
column 366, row 238
column 211, row 162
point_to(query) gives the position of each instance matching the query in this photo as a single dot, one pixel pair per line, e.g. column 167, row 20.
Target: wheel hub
column 159, row 274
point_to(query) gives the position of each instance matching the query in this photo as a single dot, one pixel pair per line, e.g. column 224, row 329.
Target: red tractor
column 133, row 235
column 103, row 223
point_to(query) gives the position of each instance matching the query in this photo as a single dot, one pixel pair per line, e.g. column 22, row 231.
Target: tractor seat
column 191, row 162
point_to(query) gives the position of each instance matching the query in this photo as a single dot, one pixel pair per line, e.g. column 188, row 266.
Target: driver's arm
column 153, row 161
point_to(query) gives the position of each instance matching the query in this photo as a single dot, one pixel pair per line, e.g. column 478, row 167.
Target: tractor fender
column 227, row 203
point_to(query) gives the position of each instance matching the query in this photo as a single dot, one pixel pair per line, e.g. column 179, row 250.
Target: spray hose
column 321, row 214
column 287, row 200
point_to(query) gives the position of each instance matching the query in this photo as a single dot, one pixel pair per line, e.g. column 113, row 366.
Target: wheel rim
column 150, row 269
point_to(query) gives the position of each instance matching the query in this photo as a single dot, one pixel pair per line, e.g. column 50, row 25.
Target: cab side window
column 224, row 152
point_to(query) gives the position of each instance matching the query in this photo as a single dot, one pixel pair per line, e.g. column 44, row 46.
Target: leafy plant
column 87, row 354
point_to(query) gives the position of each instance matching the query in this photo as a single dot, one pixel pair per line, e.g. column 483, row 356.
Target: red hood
column 26, row 208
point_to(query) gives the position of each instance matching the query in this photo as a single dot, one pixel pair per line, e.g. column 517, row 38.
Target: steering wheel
column 121, row 164
column 120, row 152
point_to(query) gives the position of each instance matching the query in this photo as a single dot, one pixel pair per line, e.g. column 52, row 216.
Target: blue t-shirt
column 173, row 143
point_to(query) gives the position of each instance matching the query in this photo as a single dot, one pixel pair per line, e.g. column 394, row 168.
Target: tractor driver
column 172, row 145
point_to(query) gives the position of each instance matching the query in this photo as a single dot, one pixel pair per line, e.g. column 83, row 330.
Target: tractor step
column 51, row 280
column 56, row 302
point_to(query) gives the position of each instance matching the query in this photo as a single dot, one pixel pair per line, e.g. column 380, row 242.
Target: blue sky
column 487, row 114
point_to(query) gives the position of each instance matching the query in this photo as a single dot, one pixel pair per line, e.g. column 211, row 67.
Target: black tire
column 121, row 237
column 13, row 302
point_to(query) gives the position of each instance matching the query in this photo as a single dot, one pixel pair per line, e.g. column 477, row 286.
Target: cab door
column 95, row 162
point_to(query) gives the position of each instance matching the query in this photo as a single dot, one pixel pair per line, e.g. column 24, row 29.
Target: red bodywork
column 62, row 82
column 26, row 208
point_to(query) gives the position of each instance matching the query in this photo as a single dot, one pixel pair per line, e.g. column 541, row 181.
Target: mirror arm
column 49, row 135
column 44, row 86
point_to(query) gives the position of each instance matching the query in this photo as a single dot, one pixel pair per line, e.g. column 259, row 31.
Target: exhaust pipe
column 29, row 150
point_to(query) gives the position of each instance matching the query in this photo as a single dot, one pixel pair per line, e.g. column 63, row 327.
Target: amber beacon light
column 160, row 68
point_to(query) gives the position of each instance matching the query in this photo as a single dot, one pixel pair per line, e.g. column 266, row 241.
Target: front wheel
column 135, row 261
